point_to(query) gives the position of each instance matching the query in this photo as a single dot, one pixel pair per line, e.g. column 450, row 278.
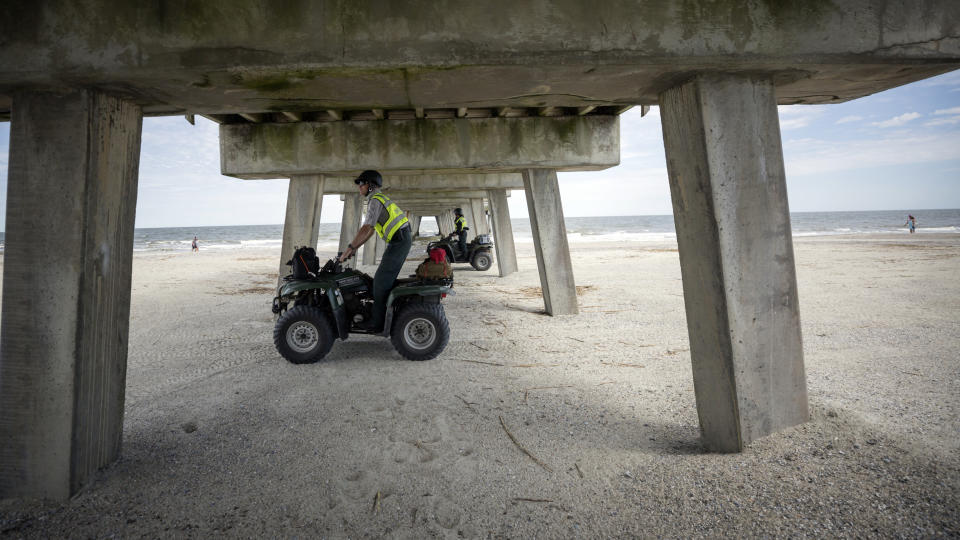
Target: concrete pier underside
column 258, row 56
column 306, row 92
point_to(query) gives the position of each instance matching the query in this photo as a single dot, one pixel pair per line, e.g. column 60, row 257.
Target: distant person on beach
column 195, row 247
column 912, row 223
column 386, row 218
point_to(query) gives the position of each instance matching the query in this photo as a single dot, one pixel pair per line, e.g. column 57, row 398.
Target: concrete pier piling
column 72, row 191
column 550, row 241
column 502, row 232
column 301, row 227
column 727, row 182
column 350, row 223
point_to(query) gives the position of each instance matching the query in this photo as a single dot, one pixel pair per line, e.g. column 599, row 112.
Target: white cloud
column 949, row 79
column 814, row 156
column 943, row 121
column 952, row 110
column 897, row 120
column 847, row 119
column 794, row 123
column 798, row 116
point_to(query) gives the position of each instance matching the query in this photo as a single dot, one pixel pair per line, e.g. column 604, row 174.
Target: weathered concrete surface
column 301, row 227
column 727, row 181
column 466, row 207
column 417, row 196
column 258, row 55
column 349, row 222
column 502, row 232
column 395, row 184
column 479, row 215
column 550, row 241
column 72, row 194
column 445, row 221
column 419, row 146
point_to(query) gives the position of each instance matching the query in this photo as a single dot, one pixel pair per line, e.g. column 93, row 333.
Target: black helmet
column 369, row 177
column 458, row 211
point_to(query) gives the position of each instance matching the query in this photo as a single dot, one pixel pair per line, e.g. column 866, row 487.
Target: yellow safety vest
column 395, row 220
column 461, row 221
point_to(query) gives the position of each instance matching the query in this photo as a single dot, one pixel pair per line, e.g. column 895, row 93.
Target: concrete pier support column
column 473, row 220
column 550, row 241
column 301, row 227
column 445, row 222
column 502, row 232
column 415, row 225
column 350, row 223
column 72, row 191
column 479, row 216
column 727, row 181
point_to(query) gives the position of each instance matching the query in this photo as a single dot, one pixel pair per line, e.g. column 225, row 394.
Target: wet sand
column 223, row 437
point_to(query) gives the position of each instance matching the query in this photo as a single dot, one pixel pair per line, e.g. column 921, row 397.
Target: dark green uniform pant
column 462, row 243
column 393, row 258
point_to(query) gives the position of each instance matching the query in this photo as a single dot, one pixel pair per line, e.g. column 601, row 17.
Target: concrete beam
column 450, row 203
column 301, row 227
column 728, row 185
column 502, row 232
column 464, row 145
column 395, row 184
column 411, row 194
column 550, row 241
column 72, row 191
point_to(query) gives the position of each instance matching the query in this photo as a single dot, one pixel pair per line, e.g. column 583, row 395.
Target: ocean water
column 579, row 229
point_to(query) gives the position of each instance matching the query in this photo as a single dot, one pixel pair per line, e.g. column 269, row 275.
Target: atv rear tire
column 481, row 261
column 420, row 331
column 303, row 335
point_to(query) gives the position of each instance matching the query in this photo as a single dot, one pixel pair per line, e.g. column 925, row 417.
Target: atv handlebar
column 333, row 266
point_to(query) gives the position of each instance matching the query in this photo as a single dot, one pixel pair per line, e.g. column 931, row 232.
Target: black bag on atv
column 304, row 262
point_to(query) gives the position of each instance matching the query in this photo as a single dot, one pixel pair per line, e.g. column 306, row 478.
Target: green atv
column 331, row 303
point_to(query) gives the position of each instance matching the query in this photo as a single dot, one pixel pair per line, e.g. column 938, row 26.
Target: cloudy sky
column 896, row 150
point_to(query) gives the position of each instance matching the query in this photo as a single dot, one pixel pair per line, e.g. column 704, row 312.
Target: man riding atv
column 386, row 218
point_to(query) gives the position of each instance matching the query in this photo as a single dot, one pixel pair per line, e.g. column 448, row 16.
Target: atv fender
column 339, row 313
column 416, row 290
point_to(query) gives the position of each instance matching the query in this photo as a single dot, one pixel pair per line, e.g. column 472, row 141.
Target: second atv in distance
column 478, row 254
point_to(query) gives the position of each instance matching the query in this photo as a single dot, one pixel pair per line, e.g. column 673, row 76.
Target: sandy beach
column 223, row 437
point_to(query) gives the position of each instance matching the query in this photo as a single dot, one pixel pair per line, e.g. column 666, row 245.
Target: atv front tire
column 303, row 335
column 481, row 261
column 420, row 331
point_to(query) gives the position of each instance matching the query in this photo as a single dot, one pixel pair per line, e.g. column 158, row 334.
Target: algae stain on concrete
column 278, row 142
